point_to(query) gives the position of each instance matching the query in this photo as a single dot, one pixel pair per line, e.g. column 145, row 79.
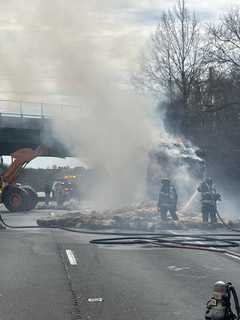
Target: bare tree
column 225, row 40
column 175, row 61
column 223, row 56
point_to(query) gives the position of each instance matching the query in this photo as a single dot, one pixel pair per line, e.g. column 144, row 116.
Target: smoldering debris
column 143, row 216
column 69, row 205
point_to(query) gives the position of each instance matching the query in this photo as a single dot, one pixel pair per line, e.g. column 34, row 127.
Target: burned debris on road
column 144, row 217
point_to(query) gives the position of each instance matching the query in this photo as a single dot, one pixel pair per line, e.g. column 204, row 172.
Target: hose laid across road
column 210, row 242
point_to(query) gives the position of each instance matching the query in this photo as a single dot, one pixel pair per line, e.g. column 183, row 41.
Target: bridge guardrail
column 29, row 109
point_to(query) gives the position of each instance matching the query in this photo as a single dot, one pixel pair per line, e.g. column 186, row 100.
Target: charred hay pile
column 144, row 216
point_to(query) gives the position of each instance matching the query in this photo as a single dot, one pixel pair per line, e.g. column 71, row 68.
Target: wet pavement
column 55, row 274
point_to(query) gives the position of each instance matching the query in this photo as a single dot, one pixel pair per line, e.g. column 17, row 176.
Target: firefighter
column 167, row 200
column 209, row 198
column 47, row 190
column 219, row 306
column 59, row 194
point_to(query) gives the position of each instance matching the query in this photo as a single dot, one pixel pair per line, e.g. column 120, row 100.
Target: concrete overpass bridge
column 28, row 125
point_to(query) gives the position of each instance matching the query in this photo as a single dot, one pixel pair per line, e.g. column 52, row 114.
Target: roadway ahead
column 52, row 275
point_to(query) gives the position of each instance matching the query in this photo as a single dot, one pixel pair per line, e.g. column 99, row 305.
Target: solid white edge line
column 71, row 257
column 232, row 256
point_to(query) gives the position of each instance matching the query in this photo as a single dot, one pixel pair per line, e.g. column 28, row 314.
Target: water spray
column 189, row 202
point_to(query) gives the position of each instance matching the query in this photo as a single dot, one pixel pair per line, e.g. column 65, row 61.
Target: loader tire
column 32, row 198
column 14, row 198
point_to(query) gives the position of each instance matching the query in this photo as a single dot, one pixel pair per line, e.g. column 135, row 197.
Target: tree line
column 196, row 67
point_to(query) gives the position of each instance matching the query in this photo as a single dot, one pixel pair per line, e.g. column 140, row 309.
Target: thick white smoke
column 81, row 53
column 114, row 138
column 110, row 129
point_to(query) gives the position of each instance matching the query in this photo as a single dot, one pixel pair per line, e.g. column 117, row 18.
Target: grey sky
column 118, row 29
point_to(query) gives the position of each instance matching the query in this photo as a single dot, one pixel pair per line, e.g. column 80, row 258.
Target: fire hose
column 208, row 242
column 164, row 242
column 225, row 224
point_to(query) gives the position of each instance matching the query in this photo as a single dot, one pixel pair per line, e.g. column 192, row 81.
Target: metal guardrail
column 30, row 109
column 23, row 115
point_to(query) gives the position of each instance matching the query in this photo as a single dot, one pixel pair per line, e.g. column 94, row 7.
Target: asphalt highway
column 54, row 274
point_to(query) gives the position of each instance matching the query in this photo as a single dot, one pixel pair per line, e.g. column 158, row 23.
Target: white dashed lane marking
column 71, row 257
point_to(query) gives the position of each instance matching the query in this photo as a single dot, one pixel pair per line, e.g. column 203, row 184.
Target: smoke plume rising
column 110, row 129
column 82, row 53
